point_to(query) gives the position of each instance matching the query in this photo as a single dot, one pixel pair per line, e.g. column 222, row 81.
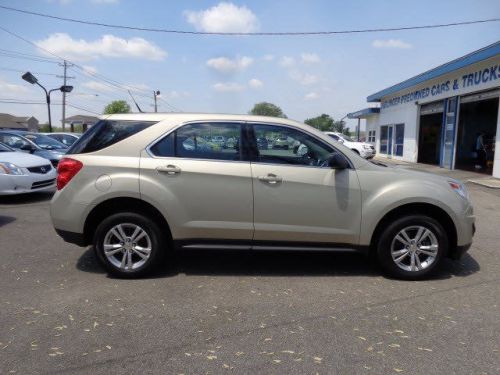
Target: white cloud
column 11, row 88
column 268, row 57
column 62, row 44
column 97, row 86
column 391, row 43
column 226, row 65
column 228, row 87
column 255, row 83
column 310, row 58
column 287, row 61
column 303, row 78
column 223, row 17
column 311, row 96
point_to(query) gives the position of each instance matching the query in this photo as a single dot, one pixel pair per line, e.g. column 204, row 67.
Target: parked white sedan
column 24, row 173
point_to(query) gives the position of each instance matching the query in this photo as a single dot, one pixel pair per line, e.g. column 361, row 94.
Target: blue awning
column 462, row 62
column 363, row 113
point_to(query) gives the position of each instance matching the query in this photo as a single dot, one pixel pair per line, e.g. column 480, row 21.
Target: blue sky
column 305, row 76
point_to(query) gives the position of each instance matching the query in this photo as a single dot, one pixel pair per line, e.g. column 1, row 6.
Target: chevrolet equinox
column 137, row 186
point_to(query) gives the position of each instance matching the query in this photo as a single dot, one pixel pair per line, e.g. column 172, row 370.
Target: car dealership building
column 447, row 116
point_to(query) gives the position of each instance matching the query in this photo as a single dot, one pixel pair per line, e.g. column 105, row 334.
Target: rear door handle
column 169, row 169
column 270, row 179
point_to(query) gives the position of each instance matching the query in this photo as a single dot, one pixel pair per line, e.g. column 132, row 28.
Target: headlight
column 459, row 188
column 366, row 147
column 9, row 168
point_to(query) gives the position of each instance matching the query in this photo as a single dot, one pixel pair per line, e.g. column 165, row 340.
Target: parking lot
column 219, row 312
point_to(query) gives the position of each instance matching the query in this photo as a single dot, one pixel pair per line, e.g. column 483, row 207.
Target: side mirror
column 28, row 147
column 338, row 161
column 340, row 140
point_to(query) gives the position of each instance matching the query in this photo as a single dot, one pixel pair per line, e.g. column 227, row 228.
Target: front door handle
column 169, row 169
column 270, row 179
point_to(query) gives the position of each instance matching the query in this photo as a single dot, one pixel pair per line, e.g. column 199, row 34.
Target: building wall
column 403, row 107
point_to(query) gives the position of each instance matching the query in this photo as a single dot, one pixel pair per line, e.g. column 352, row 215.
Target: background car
column 65, row 138
column 281, row 144
column 24, row 173
column 19, row 142
column 262, row 143
column 365, row 150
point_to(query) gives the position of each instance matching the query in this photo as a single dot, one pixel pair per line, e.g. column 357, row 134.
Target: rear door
column 297, row 197
column 204, row 187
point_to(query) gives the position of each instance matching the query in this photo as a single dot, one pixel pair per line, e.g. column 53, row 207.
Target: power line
column 96, row 75
column 12, row 56
column 26, row 54
column 37, row 102
column 24, row 71
column 286, row 33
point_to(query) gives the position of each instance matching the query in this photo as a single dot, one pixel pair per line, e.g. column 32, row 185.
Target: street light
column 156, row 94
column 28, row 77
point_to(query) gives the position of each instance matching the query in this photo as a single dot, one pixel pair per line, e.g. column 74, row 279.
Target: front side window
column 284, row 145
column 213, row 141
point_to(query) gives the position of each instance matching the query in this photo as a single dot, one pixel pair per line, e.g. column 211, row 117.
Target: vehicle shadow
column 4, row 220
column 274, row 263
column 26, row 198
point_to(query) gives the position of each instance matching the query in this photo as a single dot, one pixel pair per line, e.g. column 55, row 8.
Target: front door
column 201, row 182
column 390, row 131
column 297, row 197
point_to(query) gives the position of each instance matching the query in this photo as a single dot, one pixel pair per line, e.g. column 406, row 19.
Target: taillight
column 66, row 170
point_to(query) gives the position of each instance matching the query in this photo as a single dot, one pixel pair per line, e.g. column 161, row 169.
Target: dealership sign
column 467, row 80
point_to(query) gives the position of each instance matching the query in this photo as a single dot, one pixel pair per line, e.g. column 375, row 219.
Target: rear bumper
column 72, row 237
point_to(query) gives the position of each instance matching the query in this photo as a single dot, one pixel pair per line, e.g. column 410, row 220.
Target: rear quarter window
column 106, row 133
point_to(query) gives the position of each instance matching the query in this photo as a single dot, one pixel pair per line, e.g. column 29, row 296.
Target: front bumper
column 368, row 154
column 31, row 183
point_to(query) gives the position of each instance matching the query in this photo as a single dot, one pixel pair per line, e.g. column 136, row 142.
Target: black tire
column 384, row 255
column 158, row 240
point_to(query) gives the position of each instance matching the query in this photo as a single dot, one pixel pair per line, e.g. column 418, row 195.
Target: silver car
column 133, row 188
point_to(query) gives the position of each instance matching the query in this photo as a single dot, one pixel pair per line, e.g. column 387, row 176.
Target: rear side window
column 106, row 133
column 211, row 141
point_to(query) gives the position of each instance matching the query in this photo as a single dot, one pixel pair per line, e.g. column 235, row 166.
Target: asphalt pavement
column 213, row 312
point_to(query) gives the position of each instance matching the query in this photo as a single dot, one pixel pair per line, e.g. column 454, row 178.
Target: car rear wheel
column 412, row 247
column 129, row 244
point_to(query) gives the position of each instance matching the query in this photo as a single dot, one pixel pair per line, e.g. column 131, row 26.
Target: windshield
column 5, row 148
column 45, row 142
column 347, row 138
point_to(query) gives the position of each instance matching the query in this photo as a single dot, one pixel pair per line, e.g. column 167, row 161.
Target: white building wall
column 406, row 111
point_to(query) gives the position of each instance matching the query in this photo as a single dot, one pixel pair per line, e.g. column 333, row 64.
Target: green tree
column 327, row 123
column 117, row 106
column 267, row 109
column 323, row 122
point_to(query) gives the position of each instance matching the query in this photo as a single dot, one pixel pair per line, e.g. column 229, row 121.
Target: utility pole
column 65, row 65
column 155, row 94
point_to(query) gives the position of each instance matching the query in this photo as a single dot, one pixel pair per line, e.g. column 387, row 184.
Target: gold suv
column 136, row 186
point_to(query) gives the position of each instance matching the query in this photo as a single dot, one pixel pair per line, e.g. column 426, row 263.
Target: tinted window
column 5, row 148
column 106, row 133
column 334, row 136
column 216, row 141
column 289, row 146
column 165, row 147
column 45, row 142
column 13, row 141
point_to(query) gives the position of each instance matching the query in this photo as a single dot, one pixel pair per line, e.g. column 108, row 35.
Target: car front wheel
column 129, row 244
column 412, row 247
